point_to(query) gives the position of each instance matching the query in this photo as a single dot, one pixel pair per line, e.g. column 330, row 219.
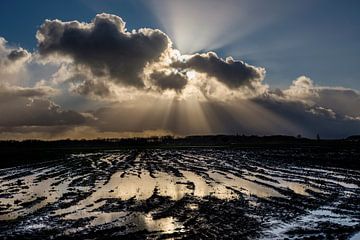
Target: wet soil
column 180, row 194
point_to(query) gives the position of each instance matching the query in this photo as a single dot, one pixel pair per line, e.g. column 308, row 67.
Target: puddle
column 328, row 178
column 246, row 186
column 296, row 187
column 310, row 220
column 203, row 188
column 35, row 194
column 133, row 221
column 186, row 193
column 356, row 236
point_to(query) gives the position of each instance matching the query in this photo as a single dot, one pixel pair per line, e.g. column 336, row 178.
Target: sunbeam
column 198, row 25
column 179, row 119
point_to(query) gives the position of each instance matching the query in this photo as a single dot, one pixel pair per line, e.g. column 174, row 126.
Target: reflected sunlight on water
column 158, row 193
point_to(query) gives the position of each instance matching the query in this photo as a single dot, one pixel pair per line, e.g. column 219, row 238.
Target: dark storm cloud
column 104, row 46
column 173, row 80
column 232, row 73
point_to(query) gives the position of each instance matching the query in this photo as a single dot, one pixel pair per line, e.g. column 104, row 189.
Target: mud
column 195, row 194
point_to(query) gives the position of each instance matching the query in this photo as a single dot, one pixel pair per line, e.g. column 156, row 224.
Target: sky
column 121, row 68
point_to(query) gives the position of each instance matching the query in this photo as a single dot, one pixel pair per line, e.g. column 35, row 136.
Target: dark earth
column 195, row 193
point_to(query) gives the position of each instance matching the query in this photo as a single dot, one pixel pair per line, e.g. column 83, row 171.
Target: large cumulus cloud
column 144, row 58
column 104, row 46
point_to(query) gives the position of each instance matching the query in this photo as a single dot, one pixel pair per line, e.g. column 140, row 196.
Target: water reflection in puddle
column 297, row 187
column 140, row 195
column 325, row 214
column 132, row 221
column 32, row 194
column 355, row 236
column 141, row 186
column 244, row 185
column 203, row 187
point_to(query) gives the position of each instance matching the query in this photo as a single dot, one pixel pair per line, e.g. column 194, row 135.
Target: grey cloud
column 27, row 131
column 81, row 83
column 8, row 93
column 104, row 46
column 11, row 60
column 263, row 115
column 310, row 119
column 29, row 107
column 271, row 113
column 18, row 54
column 92, row 88
column 106, row 50
column 112, row 53
column 326, row 112
column 232, row 73
column 173, row 80
column 343, row 101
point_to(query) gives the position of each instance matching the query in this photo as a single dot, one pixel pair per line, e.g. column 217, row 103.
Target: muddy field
column 197, row 194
